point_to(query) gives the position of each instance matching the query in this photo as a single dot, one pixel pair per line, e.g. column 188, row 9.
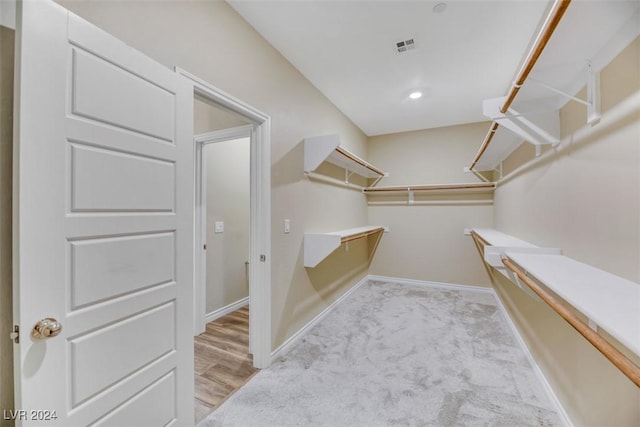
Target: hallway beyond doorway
column 222, row 361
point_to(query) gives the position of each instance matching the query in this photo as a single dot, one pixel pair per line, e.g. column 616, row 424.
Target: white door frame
column 200, row 276
column 260, row 234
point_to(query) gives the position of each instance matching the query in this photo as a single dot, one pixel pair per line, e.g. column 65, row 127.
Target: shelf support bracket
column 347, row 175
column 558, row 91
column 529, row 131
column 593, row 94
column 377, row 180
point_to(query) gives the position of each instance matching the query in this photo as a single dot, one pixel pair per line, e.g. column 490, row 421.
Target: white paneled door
column 104, row 223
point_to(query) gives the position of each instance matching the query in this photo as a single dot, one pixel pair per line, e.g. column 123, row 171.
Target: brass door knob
column 46, row 328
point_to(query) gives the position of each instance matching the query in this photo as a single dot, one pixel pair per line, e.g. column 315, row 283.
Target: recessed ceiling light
column 415, row 95
column 439, row 8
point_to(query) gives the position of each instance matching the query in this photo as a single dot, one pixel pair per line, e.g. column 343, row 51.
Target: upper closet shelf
column 319, row 149
column 574, row 44
column 608, row 301
column 318, row 246
column 473, row 187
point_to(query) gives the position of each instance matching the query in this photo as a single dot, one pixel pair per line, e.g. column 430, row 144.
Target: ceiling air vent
column 405, row 45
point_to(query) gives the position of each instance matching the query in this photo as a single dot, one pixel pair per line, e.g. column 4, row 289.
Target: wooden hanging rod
column 359, row 161
column 346, row 239
column 552, row 21
column 485, row 143
column 631, row 370
column 470, row 186
column 558, row 10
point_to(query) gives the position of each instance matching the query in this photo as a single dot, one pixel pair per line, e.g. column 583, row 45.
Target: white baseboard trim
column 216, row 314
column 438, row 285
column 286, row 346
column 541, row 377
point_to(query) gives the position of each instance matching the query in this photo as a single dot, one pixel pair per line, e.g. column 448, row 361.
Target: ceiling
column 347, row 49
column 469, row 52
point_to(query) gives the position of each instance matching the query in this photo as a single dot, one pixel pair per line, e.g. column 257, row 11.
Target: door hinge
column 263, row 257
column 15, row 335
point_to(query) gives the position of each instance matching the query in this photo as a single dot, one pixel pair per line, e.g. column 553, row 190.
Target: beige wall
column 6, row 159
column 228, row 185
column 211, row 41
column 427, row 242
column 208, row 118
column 584, row 197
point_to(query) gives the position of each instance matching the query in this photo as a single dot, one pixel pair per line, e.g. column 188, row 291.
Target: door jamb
column 260, row 234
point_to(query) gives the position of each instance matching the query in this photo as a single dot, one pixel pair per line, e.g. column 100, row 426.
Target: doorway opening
column 237, row 336
column 223, row 362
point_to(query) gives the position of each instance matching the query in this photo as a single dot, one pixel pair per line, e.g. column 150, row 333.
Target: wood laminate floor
column 222, row 361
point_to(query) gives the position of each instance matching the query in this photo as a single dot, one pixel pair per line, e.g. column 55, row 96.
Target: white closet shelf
column 473, row 187
column 498, row 238
column 497, row 243
column 318, row 246
column 608, row 301
column 552, row 74
column 319, row 149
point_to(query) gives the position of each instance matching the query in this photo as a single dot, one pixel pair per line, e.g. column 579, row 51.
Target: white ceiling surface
column 466, row 54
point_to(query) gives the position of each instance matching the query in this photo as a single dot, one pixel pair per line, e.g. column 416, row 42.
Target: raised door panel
column 107, row 180
column 101, row 358
column 135, row 412
column 114, row 95
column 106, row 268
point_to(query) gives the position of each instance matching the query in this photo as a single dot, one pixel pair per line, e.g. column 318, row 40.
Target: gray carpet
column 398, row 355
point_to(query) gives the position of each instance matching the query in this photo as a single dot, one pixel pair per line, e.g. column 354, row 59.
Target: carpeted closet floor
column 398, row 355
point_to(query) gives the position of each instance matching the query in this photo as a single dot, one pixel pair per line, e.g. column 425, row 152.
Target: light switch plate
column 219, row 227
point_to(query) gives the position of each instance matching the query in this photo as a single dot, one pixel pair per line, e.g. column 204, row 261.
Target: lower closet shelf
column 318, row 246
column 609, row 302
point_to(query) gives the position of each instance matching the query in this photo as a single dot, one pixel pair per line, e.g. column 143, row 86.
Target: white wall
column 584, row 197
column 228, row 186
column 427, row 242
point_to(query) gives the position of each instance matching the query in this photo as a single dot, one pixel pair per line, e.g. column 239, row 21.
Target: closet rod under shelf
column 346, row 239
column 551, row 23
column 359, row 161
column 334, row 181
column 559, row 8
column 615, row 356
column 487, row 139
column 471, row 186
